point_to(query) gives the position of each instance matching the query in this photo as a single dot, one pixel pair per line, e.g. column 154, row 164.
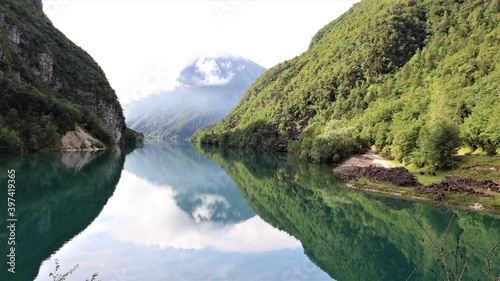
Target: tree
column 405, row 142
column 439, row 142
column 481, row 128
column 9, row 140
column 491, row 136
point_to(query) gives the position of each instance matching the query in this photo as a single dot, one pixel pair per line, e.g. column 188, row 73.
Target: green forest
column 418, row 79
column 48, row 85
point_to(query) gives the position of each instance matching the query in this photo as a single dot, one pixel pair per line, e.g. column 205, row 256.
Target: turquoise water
column 170, row 212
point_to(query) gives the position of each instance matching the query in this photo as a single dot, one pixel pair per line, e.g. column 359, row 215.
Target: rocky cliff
column 48, row 85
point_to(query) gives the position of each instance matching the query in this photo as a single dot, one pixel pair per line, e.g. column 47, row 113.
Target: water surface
column 176, row 215
column 169, row 212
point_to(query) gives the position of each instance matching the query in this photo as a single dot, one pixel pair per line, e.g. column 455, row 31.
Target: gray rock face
column 14, row 34
column 108, row 112
column 46, row 63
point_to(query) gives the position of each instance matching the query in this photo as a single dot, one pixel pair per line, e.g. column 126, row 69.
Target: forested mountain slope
column 48, row 85
column 414, row 77
column 210, row 88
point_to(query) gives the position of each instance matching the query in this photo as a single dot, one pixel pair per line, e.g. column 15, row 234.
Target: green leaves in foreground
column 63, row 276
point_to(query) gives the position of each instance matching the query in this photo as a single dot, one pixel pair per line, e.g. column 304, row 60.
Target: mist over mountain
column 209, row 89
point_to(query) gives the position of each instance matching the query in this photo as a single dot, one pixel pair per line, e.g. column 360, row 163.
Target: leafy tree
column 327, row 144
column 9, row 140
column 438, row 144
column 405, row 142
column 480, row 129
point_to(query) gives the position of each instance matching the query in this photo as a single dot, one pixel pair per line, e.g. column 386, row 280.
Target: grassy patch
column 467, row 166
column 428, row 179
column 426, row 175
column 451, row 198
column 477, row 167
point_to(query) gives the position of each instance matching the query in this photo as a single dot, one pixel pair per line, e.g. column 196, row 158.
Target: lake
column 172, row 212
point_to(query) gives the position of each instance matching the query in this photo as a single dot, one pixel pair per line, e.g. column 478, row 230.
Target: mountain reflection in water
column 57, row 196
column 168, row 212
column 354, row 235
column 176, row 215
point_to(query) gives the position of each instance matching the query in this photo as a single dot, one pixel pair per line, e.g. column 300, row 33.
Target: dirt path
column 365, row 160
column 377, row 159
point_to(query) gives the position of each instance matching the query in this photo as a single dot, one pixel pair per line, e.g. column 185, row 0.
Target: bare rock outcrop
column 79, row 139
column 46, row 63
column 108, row 112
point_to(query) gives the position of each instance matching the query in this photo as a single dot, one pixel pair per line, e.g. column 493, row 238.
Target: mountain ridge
column 400, row 75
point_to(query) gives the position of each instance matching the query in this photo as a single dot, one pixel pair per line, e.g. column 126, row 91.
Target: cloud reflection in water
column 144, row 213
column 143, row 234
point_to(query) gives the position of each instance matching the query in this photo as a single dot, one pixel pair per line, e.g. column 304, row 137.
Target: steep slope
column 400, row 74
column 210, row 88
column 48, row 85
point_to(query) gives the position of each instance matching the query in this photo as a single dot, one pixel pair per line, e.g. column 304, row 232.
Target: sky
column 143, row 45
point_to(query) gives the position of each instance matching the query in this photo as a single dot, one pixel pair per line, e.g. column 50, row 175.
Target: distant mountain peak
column 210, row 88
column 212, row 71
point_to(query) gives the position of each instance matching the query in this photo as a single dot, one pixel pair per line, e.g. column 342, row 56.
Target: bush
column 333, row 144
column 404, row 143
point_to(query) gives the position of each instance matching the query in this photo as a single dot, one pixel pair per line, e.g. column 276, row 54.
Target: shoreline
column 352, row 168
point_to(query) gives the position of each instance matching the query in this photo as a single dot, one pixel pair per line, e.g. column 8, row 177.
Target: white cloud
column 226, row 65
column 206, row 211
column 212, row 75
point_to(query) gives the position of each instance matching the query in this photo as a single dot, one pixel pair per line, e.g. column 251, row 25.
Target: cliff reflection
column 57, row 196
